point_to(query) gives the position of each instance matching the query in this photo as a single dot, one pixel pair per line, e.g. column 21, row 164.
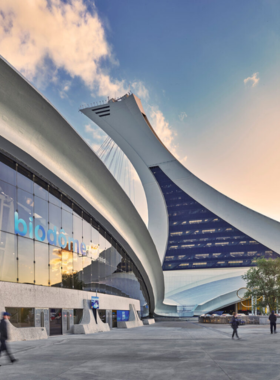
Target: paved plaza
column 166, row 350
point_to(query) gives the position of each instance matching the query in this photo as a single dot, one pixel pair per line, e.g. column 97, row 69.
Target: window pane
column 25, row 211
column 21, row 317
column 55, row 266
column 86, row 232
column 8, row 257
column 25, row 260
column 40, row 192
column 67, row 268
column 41, row 264
column 77, row 271
column 40, row 216
column 7, row 174
column 7, row 206
column 54, row 200
column 55, row 218
column 78, row 228
column 24, row 183
column 67, row 223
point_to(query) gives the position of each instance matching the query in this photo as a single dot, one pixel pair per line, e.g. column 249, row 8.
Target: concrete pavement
column 165, row 350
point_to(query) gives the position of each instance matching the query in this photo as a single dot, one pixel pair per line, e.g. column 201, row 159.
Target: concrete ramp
column 88, row 324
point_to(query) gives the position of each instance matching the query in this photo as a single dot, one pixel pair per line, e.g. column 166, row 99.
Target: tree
column 263, row 283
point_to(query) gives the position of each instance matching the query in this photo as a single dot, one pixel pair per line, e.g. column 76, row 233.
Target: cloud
column 96, row 134
column 254, row 79
column 182, row 116
column 43, row 36
column 140, row 90
column 163, row 129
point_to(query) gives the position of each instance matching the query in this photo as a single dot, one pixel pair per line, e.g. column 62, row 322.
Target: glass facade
column 200, row 239
column 46, row 239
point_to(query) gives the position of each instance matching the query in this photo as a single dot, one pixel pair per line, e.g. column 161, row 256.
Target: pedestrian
column 234, row 324
column 4, row 336
column 272, row 319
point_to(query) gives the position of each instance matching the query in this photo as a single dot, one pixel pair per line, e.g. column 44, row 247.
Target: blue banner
column 94, row 302
column 122, row 315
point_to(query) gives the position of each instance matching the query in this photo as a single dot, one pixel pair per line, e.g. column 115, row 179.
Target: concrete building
column 205, row 241
column 67, row 229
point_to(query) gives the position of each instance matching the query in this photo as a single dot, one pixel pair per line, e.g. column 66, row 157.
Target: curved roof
column 49, row 145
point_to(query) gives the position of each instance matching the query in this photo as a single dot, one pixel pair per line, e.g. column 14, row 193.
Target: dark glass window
column 78, row 315
column 8, row 257
column 21, row 317
column 200, row 239
column 7, row 206
column 55, row 266
column 25, row 260
column 41, row 263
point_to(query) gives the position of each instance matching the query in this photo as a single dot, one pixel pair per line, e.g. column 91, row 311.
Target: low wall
column 248, row 319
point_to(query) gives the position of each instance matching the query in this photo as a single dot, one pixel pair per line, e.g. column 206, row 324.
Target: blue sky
column 186, row 60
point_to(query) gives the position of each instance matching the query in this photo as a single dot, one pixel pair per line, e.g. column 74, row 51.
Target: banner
column 94, row 302
column 122, row 315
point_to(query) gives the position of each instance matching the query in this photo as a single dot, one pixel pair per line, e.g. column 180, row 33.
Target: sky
column 207, row 73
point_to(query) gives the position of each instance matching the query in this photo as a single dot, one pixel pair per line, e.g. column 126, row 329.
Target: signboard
column 122, row 315
column 94, row 302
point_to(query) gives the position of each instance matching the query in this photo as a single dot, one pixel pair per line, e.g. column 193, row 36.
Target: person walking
column 272, row 319
column 4, row 336
column 234, row 324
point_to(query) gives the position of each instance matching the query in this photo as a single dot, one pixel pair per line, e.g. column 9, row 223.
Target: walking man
column 4, row 336
column 234, row 325
column 272, row 319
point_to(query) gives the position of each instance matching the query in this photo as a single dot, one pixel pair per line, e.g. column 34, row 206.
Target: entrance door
column 114, row 318
column 55, row 321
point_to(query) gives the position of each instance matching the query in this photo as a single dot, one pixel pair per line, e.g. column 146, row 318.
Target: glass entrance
column 55, row 321
column 114, row 318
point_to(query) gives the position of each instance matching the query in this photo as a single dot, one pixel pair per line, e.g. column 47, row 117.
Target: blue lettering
column 17, row 223
column 61, row 237
column 50, row 234
column 37, row 236
column 83, row 249
column 71, row 245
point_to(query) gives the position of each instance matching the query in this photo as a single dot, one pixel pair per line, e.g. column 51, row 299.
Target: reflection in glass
column 55, row 218
column 67, row 223
column 41, row 263
column 77, row 271
column 25, row 260
column 24, row 183
column 7, row 206
column 77, row 228
column 8, row 257
column 25, row 209
column 55, row 266
column 21, row 317
column 67, row 268
column 7, row 174
column 40, row 192
column 54, row 200
column 40, row 213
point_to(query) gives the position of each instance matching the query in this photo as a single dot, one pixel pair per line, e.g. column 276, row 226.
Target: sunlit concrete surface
column 165, row 350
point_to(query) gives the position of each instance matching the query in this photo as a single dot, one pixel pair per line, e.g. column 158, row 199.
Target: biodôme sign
column 52, row 235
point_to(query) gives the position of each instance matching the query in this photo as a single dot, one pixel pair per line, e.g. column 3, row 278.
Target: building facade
column 205, row 240
column 67, row 229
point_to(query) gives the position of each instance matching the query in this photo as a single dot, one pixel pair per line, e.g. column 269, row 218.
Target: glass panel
column 67, row 223
column 8, row 257
column 55, row 220
column 24, row 183
column 7, row 206
column 41, row 263
column 86, row 232
column 78, row 315
column 25, row 260
column 55, row 266
column 7, row 174
column 54, row 200
column 25, row 211
column 77, row 271
column 40, row 218
column 67, row 268
column 41, row 192
column 87, row 273
column 21, row 317
column 78, row 228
